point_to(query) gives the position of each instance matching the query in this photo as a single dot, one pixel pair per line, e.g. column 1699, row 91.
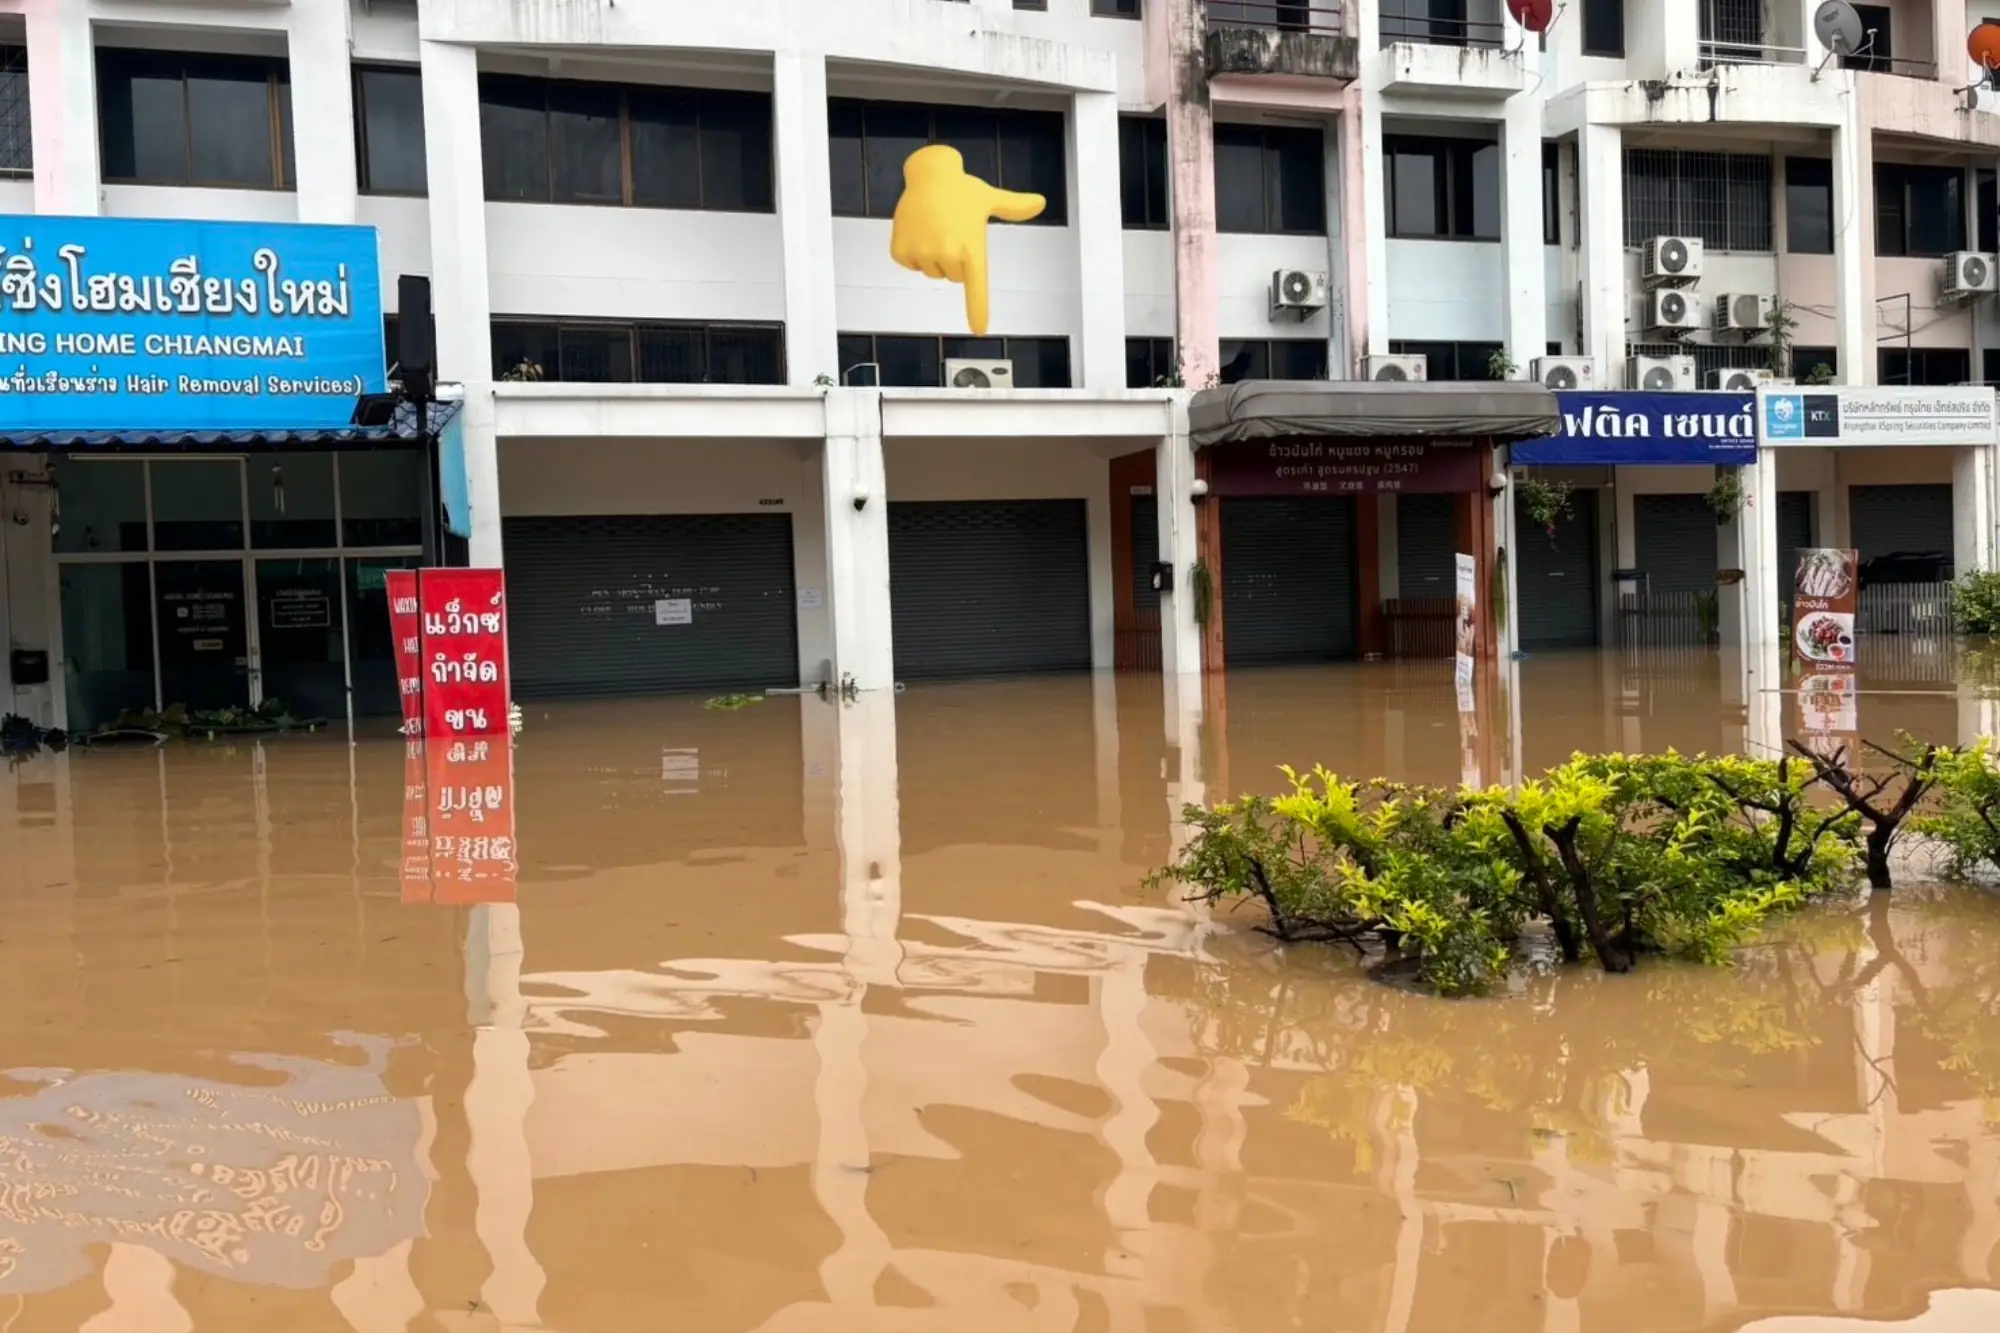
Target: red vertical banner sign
column 471, row 815
column 407, row 626
column 416, row 854
column 464, row 647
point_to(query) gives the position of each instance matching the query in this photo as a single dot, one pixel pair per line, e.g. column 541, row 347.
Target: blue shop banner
column 133, row 324
column 1598, row 428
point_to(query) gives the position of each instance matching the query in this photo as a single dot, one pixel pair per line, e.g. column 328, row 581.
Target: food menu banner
column 464, row 645
column 1824, row 595
column 1465, row 623
column 406, row 625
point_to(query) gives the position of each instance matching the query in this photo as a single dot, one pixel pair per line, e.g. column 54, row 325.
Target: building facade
column 705, row 414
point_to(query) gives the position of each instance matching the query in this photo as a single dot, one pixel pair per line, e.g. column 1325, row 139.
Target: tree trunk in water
column 1878, row 858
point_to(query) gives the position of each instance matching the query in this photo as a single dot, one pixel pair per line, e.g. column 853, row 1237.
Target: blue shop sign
column 128, row 324
column 1598, row 428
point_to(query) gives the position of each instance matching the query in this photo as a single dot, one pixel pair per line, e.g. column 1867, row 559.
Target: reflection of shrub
column 1976, row 602
column 1621, row 854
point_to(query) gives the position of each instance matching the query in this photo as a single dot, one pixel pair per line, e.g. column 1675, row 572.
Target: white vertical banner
column 1465, row 623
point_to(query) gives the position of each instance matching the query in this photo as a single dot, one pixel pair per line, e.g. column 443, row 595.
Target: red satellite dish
column 1534, row 15
column 1983, row 44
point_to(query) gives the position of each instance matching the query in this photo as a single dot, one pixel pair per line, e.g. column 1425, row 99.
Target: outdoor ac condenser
column 971, row 373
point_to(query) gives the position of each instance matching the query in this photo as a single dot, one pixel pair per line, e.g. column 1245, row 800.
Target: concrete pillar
column 1600, row 171
column 1971, row 508
column 1747, row 611
column 1373, row 245
column 1522, row 251
column 1097, row 214
column 1354, row 232
column 459, row 295
column 1191, row 188
column 323, row 140
column 1180, row 636
column 1853, row 244
column 854, row 495
column 62, row 106
column 805, row 215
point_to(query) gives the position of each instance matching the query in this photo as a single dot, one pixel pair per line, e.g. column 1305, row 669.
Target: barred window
column 1723, row 198
column 1708, row 356
column 17, row 149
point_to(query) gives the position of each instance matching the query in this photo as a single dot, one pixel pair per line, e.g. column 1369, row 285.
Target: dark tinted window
column 171, row 119
column 868, row 142
column 1987, row 211
column 916, row 361
column 1604, row 28
column 1115, row 9
column 389, row 122
column 606, row 143
column 617, row 353
column 1142, row 171
column 1551, row 193
column 1270, row 179
column 1809, row 205
column 1149, row 362
column 1272, row 359
column 17, row 140
column 1919, row 211
column 1722, row 198
column 1447, row 361
column 1806, row 362
column 1923, row 365
column 1444, row 187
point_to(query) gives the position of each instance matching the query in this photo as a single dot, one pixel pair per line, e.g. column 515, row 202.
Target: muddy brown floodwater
column 822, row 1017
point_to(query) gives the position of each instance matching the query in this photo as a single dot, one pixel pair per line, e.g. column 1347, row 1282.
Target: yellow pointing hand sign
column 940, row 226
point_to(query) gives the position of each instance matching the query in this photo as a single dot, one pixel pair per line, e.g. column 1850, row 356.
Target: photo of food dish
column 1466, row 630
column 1826, row 636
column 1825, row 573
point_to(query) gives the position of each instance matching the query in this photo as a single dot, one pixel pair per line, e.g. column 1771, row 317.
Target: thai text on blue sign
column 136, row 324
column 1598, row 428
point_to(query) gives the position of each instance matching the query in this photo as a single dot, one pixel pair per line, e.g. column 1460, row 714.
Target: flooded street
column 857, row 1017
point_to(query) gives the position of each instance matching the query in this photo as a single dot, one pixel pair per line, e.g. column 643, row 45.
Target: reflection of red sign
column 464, row 652
column 471, row 818
column 407, row 627
column 1345, row 467
column 416, row 863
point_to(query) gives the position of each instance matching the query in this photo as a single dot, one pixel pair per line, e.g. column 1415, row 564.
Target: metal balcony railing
column 1903, row 67
column 1428, row 31
column 1749, row 53
column 1276, row 15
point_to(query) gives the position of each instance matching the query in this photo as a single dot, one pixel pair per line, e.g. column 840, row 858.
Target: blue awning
column 401, row 430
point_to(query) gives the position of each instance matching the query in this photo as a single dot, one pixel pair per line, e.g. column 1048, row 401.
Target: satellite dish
column 1839, row 27
column 1533, row 15
column 1983, row 44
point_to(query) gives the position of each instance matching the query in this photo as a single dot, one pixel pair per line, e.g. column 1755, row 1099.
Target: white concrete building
column 658, row 242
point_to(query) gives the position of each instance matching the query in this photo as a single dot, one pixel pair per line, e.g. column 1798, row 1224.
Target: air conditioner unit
column 1566, row 372
column 1397, row 368
column 1741, row 381
column 967, row 373
column 1742, row 312
column 1660, row 374
column 1671, row 308
column 1968, row 273
column 1671, row 261
column 1299, row 290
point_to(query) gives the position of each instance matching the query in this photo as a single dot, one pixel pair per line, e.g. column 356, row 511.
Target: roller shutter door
column 1887, row 519
column 1558, row 577
column 1145, row 552
column 1426, row 547
column 1795, row 515
column 1288, row 571
column 582, row 595
column 1674, row 539
column 989, row 587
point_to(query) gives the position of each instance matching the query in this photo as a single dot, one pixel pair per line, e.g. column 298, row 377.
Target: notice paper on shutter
column 673, row 611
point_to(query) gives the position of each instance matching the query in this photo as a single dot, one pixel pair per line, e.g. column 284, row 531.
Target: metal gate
column 1888, row 519
column 1426, row 547
column 651, row 603
column 1288, row 574
column 1795, row 534
column 989, row 587
column 1558, row 577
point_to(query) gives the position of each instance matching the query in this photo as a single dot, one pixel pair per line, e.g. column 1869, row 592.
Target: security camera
column 1198, row 488
column 860, row 498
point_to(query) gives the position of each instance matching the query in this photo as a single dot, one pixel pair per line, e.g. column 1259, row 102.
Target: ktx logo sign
column 1802, row 416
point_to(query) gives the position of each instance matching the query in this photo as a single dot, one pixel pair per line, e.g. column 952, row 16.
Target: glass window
column 1142, row 172
column 666, row 148
column 1296, row 164
column 911, row 363
column 856, row 350
column 170, row 119
column 736, row 148
column 1239, row 179
column 524, row 351
column 1269, row 179
column 17, row 140
column 300, row 644
column 594, row 354
column 1040, row 363
column 1604, row 28
column 1443, row 187
column 1924, row 365
column 674, row 355
column 381, row 497
column 1115, row 9
column 1806, row 363
column 373, row 647
column 1808, row 206
column 514, row 139
column 1148, row 362
column 1246, row 359
column 892, row 132
column 868, row 143
column 229, row 122
column 745, row 354
column 197, row 504
column 107, row 623
column 976, row 137
column 1298, row 358
column 1485, row 178
column 1987, row 210
column 291, row 501
column 1551, row 193
column 586, row 143
column 101, row 504
column 847, row 158
column 389, row 105
column 1416, row 189
column 1725, row 199
column 1032, row 159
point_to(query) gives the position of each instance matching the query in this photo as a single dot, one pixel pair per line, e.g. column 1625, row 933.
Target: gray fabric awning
column 1280, row 409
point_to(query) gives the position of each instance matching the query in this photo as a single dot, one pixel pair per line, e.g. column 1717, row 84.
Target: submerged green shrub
column 1965, row 818
column 1976, row 602
column 1624, row 855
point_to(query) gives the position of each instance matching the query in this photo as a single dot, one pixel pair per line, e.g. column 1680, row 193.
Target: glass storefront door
column 221, row 582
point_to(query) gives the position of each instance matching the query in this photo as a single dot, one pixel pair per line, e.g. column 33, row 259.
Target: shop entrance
column 225, row 582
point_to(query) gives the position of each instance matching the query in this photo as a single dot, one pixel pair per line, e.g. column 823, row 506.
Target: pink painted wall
column 1191, row 162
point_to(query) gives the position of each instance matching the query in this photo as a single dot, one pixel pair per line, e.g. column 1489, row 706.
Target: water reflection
column 814, row 1016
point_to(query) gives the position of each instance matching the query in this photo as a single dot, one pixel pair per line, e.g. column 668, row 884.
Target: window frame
column 632, row 329
column 1143, row 125
column 1055, row 214
column 940, row 339
column 1477, row 353
column 1792, row 172
column 14, row 62
column 1921, row 356
column 1270, row 139
column 1551, row 191
column 277, row 72
column 361, row 173
column 704, row 99
column 1158, row 352
column 1270, row 346
column 1117, row 9
column 1682, row 197
column 1457, row 154
column 1905, row 175
column 1608, row 12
